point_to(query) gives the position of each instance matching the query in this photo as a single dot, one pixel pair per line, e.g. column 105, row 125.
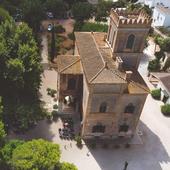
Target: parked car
column 50, row 15
column 50, row 27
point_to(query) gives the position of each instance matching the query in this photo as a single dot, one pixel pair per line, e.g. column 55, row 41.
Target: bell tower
column 126, row 35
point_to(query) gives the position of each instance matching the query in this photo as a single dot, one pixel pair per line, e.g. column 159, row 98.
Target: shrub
column 51, row 92
column 165, row 109
column 71, row 36
column 55, row 106
column 49, row 116
column 67, row 166
column 154, row 65
column 95, row 27
column 79, row 141
column 156, row 94
column 59, row 29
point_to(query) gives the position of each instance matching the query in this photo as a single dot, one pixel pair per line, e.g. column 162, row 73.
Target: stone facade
column 112, row 91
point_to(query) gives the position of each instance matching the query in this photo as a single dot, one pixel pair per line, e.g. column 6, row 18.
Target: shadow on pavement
column 148, row 156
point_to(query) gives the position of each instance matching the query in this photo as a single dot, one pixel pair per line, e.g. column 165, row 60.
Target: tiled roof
column 164, row 78
column 68, row 64
column 98, row 65
column 91, row 58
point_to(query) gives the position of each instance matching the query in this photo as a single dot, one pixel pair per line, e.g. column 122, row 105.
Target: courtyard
column 153, row 153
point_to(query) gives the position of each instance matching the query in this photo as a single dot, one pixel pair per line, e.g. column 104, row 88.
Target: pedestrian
column 126, row 164
column 65, row 147
column 71, row 145
column 88, row 153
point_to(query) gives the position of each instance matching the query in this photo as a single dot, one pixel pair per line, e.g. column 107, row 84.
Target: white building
column 161, row 15
column 153, row 3
column 162, row 81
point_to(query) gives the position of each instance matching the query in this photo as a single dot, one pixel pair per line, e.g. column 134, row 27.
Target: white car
column 50, row 27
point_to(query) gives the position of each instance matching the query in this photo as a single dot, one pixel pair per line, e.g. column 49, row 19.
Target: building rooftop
column 163, row 9
column 164, row 78
column 99, row 66
column 68, row 64
column 136, row 18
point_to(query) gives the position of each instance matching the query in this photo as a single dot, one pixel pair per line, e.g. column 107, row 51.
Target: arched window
column 123, row 128
column 99, row 128
column 71, row 84
column 103, row 107
column 130, row 41
column 130, row 108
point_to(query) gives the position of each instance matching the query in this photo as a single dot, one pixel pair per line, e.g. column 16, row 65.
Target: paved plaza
column 152, row 154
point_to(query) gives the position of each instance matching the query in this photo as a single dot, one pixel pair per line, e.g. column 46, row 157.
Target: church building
column 101, row 79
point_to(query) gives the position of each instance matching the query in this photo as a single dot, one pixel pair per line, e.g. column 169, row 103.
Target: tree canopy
column 67, row 166
column 20, row 73
column 36, row 155
column 82, row 11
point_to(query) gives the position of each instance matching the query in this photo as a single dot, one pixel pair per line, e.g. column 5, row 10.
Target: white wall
column 153, row 3
column 158, row 18
column 167, row 21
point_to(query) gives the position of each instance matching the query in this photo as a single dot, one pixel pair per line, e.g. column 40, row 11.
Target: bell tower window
column 103, row 107
column 130, row 41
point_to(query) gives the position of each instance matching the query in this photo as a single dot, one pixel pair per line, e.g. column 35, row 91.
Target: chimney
column 128, row 75
column 119, row 63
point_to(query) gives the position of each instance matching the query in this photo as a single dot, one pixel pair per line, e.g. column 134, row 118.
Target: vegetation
column 103, row 9
column 67, row 166
column 51, row 92
column 57, row 7
column 35, row 154
column 164, row 43
column 33, row 13
column 82, row 11
column 165, row 109
column 87, row 26
column 156, row 94
column 4, row 15
column 95, row 27
column 164, row 30
column 7, row 151
column 154, row 65
column 59, row 29
column 19, row 75
column 138, row 6
column 79, row 141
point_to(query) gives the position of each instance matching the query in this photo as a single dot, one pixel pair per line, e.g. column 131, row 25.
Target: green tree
column 7, row 151
column 159, row 55
column 57, row 7
column 67, row 166
column 103, row 10
column 36, row 154
column 33, row 13
column 4, row 15
column 2, row 127
column 154, row 65
column 20, row 72
column 82, row 11
column 2, row 133
column 165, row 44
